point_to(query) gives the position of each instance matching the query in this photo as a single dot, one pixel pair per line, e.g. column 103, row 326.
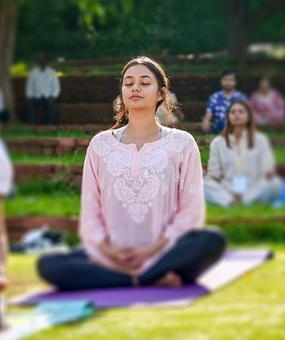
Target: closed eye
column 131, row 84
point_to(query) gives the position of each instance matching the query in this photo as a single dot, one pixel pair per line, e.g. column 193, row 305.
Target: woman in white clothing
column 241, row 165
column 6, row 175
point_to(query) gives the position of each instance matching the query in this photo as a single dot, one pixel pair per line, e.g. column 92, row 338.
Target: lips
column 135, row 97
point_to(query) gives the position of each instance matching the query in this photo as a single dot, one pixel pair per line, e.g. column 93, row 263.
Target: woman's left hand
column 140, row 254
column 137, row 258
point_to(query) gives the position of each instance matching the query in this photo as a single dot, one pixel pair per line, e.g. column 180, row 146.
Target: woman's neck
column 142, row 125
column 265, row 92
column 238, row 131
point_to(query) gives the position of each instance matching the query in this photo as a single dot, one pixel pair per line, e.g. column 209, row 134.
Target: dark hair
column 121, row 112
column 264, row 78
column 228, row 73
column 250, row 124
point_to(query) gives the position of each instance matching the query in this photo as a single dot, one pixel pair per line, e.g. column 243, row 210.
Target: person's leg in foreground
column 194, row 253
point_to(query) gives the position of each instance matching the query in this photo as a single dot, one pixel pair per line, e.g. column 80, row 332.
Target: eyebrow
column 143, row 76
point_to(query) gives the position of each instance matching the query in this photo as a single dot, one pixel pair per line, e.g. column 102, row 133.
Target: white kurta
column 225, row 164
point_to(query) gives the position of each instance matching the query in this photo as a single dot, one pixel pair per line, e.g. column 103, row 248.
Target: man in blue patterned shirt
column 219, row 102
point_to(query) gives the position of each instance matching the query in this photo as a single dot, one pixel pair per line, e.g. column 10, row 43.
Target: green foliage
column 86, row 29
column 78, row 29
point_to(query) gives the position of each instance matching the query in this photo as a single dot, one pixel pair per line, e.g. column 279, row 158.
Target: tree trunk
column 240, row 24
column 237, row 30
column 8, row 25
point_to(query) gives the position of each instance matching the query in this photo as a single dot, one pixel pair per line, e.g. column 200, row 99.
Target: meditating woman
column 142, row 205
column 241, row 166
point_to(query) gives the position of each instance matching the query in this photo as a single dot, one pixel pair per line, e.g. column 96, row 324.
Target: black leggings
column 192, row 254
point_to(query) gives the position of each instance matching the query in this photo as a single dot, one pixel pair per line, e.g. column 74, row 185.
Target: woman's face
column 238, row 115
column 264, row 85
column 140, row 89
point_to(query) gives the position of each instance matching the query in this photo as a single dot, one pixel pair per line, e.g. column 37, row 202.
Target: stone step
column 65, row 145
column 86, row 113
column 193, row 59
column 101, row 113
column 192, row 127
column 86, row 91
column 17, row 226
column 71, row 173
column 46, row 145
column 96, row 89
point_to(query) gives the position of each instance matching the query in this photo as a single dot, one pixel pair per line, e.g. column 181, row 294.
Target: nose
column 136, row 87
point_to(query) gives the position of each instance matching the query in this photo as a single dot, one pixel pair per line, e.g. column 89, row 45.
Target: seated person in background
column 42, row 89
column 6, row 175
column 218, row 103
column 3, row 112
column 172, row 119
column 241, row 164
column 267, row 104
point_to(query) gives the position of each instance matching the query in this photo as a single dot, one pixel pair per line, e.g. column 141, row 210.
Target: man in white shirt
column 42, row 89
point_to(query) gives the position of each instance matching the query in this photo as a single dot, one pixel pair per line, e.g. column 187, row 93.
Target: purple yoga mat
column 120, row 297
column 233, row 264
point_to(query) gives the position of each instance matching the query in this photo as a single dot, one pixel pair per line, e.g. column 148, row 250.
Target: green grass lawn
column 259, row 222
column 54, row 202
column 40, row 204
column 280, row 155
column 24, row 131
column 252, row 308
column 28, row 131
column 78, row 157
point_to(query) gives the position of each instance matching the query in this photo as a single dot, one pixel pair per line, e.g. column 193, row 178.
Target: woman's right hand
column 119, row 256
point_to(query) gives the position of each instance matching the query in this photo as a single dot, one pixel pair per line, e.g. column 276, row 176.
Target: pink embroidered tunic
column 133, row 197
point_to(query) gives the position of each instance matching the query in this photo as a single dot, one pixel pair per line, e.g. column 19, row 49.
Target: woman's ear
column 161, row 94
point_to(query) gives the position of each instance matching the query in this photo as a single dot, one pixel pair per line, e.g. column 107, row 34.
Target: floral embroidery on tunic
column 138, row 176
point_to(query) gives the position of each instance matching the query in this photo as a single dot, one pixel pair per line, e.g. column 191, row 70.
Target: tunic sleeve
column 6, row 171
column 267, row 156
column 214, row 164
column 91, row 226
column 191, row 204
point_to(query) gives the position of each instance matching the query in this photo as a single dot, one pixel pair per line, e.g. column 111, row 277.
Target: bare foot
column 3, row 283
column 170, row 279
column 3, row 327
